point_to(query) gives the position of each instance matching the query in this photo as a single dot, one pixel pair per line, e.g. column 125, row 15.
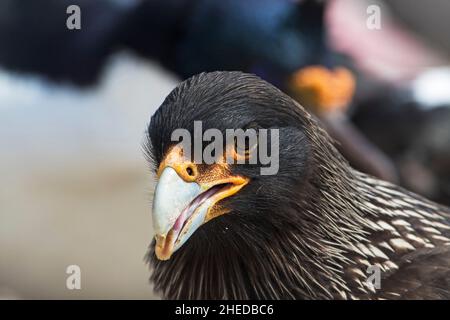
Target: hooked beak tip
column 164, row 246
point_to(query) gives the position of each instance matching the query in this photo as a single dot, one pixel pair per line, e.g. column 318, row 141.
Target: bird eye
column 246, row 148
column 247, row 144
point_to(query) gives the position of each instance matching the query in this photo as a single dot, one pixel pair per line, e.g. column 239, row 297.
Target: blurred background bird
column 84, row 96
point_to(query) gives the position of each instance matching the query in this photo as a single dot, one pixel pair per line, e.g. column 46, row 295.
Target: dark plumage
column 308, row 232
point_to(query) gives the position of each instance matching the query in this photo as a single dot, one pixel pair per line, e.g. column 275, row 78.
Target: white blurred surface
column 74, row 185
column 432, row 88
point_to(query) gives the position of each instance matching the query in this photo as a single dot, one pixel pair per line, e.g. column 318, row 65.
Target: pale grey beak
column 179, row 208
column 172, row 196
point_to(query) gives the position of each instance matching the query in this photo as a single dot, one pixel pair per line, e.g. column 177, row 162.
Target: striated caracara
column 317, row 229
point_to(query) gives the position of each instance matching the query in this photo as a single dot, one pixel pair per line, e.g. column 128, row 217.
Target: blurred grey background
column 74, row 185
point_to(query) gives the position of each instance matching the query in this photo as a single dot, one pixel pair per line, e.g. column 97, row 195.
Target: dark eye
column 245, row 148
column 250, row 143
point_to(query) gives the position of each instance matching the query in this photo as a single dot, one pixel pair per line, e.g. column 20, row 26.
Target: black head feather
column 309, row 231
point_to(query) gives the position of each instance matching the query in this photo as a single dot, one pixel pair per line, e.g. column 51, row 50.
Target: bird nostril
column 190, row 171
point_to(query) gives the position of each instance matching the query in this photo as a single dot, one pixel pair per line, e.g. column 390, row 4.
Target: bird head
column 190, row 194
column 227, row 214
column 224, row 229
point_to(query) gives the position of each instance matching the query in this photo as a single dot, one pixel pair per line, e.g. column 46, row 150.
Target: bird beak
column 183, row 202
